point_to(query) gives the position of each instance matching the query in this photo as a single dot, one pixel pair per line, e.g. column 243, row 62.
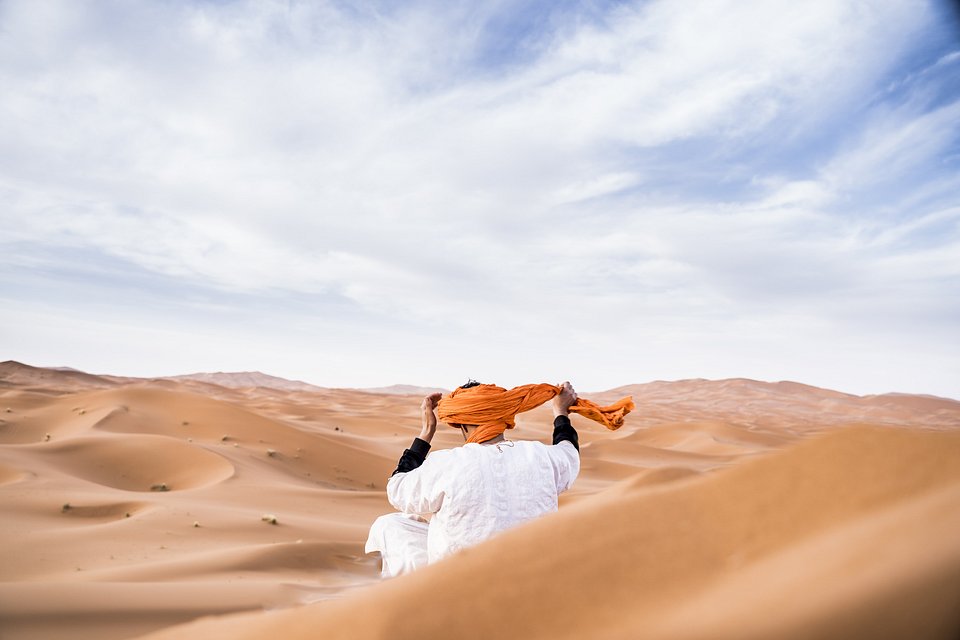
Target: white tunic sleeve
column 565, row 460
column 418, row 491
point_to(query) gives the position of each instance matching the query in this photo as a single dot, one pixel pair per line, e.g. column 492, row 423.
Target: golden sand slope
column 722, row 509
column 854, row 535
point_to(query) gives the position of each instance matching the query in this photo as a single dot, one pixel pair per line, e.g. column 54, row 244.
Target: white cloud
column 893, row 145
column 664, row 175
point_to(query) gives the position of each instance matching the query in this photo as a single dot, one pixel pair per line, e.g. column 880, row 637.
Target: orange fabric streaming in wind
column 494, row 408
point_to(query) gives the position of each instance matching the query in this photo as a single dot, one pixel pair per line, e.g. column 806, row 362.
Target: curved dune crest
column 141, row 463
column 173, row 412
column 57, row 420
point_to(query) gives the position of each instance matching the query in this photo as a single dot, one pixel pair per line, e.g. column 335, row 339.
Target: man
column 486, row 486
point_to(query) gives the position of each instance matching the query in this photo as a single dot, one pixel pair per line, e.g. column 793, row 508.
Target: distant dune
column 722, row 509
column 18, row 375
column 244, row 379
column 404, row 390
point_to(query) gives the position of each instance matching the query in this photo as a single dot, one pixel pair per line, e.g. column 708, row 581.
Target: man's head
column 466, row 429
column 494, row 409
column 481, row 411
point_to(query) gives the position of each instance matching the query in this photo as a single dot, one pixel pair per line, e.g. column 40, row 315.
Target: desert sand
column 203, row 508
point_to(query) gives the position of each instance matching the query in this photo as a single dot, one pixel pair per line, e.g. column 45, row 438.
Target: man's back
column 478, row 490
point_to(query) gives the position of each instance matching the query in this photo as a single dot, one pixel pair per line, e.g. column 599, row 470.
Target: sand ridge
column 837, row 506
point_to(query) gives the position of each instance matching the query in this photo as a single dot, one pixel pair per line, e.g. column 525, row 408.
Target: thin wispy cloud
column 359, row 194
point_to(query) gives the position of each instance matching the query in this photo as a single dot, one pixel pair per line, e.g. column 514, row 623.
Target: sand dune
column 136, row 463
column 722, row 509
column 247, row 379
column 869, row 534
column 17, row 375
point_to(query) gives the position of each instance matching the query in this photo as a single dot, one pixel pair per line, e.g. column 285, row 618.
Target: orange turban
column 493, row 408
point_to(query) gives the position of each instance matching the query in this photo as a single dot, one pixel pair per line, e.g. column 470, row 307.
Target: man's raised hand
column 428, row 418
column 564, row 400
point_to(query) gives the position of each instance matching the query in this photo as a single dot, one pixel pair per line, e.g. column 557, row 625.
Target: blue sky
column 368, row 193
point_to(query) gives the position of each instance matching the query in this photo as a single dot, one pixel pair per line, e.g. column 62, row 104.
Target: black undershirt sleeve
column 563, row 430
column 412, row 457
